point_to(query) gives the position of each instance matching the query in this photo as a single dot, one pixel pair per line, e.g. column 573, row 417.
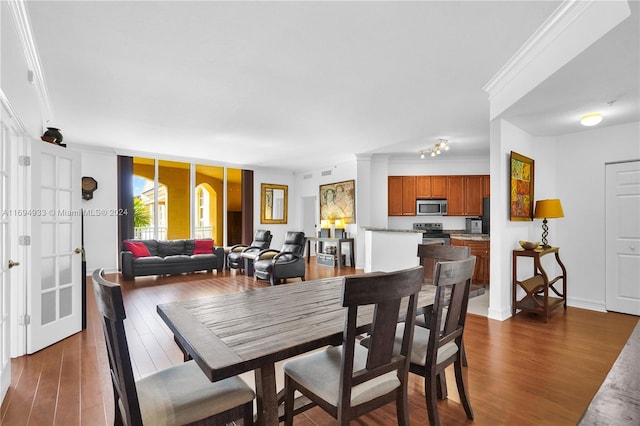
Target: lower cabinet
column 479, row 249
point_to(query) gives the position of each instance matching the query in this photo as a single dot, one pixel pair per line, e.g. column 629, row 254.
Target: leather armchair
column 276, row 266
column 235, row 259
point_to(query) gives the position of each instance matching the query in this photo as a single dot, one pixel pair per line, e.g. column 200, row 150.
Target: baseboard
column 591, row 305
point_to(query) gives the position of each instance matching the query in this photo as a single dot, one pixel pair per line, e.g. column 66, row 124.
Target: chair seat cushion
column 320, row 373
column 182, row 394
column 419, row 347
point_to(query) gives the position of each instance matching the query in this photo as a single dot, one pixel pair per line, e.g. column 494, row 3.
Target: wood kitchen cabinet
column 431, row 186
column 402, row 195
column 464, row 195
column 486, row 186
column 481, row 250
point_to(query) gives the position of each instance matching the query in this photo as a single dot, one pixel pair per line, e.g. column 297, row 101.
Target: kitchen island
column 480, row 248
column 390, row 249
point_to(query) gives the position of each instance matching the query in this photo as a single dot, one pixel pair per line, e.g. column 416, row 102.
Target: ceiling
column 299, row 85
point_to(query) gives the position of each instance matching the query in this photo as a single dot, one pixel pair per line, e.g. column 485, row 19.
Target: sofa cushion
column 177, row 258
column 137, row 248
column 203, row 247
column 149, row 260
column 171, row 247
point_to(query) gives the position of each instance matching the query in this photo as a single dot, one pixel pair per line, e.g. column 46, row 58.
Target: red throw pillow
column 203, row 247
column 137, row 248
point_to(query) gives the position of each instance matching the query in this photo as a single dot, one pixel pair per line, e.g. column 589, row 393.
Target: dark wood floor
column 521, row 371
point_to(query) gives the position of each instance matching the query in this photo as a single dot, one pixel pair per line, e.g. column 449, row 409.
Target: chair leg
column 441, row 386
column 288, row 401
column 432, row 403
column 402, row 405
column 465, row 363
column 462, row 389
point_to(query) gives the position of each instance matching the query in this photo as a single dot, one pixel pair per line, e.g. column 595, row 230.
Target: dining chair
column 237, row 253
column 350, row 380
column 289, row 262
column 433, row 352
column 178, row 395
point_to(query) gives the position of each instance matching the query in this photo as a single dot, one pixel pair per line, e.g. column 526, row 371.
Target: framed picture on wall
column 521, row 173
column 338, row 201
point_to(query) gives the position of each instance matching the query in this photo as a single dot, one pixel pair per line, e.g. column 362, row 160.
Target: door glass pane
column 66, row 306
column 143, row 198
column 64, row 203
column 208, row 207
column 47, row 170
column 234, row 206
column 47, row 245
column 64, row 238
column 47, row 273
column 64, row 264
column 48, row 201
column 64, row 173
column 48, row 310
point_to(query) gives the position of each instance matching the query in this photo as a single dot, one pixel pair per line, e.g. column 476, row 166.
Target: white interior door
column 623, row 237
column 8, row 141
column 55, row 290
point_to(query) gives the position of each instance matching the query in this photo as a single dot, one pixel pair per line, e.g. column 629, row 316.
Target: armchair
column 235, row 258
column 289, row 262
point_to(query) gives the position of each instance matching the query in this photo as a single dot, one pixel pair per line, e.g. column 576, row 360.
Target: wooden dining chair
column 432, row 352
column 348, row 380
column 178, row 395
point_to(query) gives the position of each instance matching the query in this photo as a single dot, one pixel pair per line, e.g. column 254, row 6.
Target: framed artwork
column 338, row 201
column 521, row 203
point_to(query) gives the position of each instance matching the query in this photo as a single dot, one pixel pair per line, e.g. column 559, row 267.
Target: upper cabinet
column 464, row 194
column 431, row 186
column 402, row 195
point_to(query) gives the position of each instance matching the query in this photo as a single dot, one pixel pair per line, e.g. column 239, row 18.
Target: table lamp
column 324, row 228
column 338, row 225
column 547, row 209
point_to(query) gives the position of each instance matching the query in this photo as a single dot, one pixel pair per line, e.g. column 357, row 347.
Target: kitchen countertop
column 370, row 228
column 458, row 235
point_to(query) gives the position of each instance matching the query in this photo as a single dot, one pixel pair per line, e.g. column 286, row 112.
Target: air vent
column 326, row 172
column 309, row 176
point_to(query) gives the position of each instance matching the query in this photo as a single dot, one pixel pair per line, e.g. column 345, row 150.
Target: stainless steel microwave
column 431, row 207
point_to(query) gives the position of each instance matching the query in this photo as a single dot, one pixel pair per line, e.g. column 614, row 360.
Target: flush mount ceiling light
column 591, row 119
column 442, row 145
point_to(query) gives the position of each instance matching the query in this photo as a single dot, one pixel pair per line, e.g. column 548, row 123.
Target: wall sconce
column 547, row 209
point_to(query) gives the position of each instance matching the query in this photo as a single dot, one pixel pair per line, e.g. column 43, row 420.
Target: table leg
column 308, row 251
column 266, row 395
column 339, row 253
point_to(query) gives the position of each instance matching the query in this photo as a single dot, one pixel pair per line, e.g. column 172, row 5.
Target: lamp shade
column 338, row 223
column 548, row 209
column 324, row 223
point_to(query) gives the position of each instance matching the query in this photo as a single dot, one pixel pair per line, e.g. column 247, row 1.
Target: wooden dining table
column 234, row 333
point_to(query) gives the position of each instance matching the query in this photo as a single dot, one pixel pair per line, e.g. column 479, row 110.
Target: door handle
column 78, row 250
column 11, row 264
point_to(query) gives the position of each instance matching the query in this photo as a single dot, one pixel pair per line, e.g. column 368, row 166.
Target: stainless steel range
column 432, row 233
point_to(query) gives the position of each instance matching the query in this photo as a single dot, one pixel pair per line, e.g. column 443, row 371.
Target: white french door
column 8, row 145
column 622, row 218
column 55, row 290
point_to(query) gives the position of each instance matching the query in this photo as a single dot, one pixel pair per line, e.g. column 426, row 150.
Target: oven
column 432, row 233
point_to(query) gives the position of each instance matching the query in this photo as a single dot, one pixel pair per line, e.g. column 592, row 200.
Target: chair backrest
column 430, row 254
column 109, row 299
column 384, row 290
column 452, row 280
column 293, row 242
column 262, row 239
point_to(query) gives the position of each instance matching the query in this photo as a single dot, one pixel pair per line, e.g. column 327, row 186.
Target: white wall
column 580, row 177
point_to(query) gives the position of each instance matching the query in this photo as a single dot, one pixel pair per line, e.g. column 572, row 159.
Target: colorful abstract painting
column 521, row 205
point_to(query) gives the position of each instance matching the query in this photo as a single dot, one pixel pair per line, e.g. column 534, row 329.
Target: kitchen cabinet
column 486, row 186
column 481, row 250
column 402, row 195
column 431, row 187
column 455, row 195
column 473, row 192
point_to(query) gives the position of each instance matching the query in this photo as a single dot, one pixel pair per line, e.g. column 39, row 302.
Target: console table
column 537, row 287
column 338, row 242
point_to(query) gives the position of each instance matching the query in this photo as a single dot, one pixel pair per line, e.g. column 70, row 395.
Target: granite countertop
column 463, row 235
column 373, row 228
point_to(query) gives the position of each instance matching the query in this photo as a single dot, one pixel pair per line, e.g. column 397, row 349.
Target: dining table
column 230, row 334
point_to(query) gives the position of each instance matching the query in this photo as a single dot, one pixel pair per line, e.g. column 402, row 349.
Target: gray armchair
column 235, row 258
column 276, row 266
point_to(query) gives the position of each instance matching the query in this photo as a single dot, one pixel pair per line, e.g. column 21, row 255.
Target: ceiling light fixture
column 591, row 119
column 442, row 145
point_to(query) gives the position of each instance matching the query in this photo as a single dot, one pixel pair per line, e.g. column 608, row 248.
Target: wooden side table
column 537, row 288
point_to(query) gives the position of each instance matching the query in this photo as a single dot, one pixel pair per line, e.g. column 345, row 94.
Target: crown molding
column 570, row 29
column 25, row 35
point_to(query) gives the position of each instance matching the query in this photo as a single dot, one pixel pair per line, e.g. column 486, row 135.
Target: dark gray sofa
column 169, row 257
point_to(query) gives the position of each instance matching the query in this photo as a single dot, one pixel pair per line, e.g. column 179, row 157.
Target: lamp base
column 545, row 233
